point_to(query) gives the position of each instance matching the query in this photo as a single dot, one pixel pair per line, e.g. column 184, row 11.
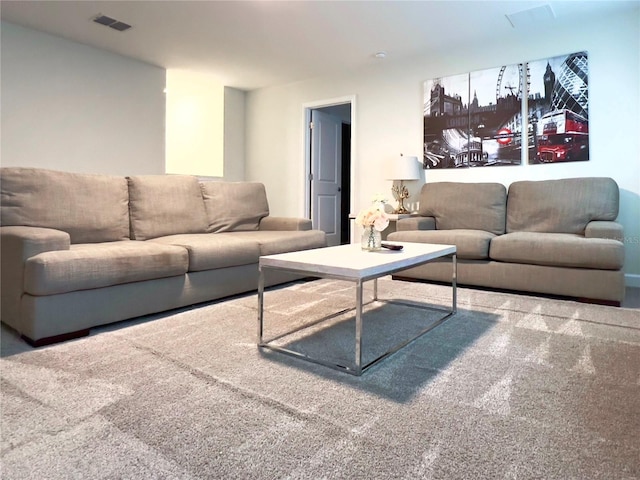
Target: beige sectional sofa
column 81, row 250
column 555, row 237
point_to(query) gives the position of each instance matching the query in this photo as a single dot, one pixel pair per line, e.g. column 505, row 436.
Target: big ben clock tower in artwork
column 549, row 81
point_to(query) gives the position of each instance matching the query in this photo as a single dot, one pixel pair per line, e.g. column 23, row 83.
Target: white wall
column 234, row 134
column 194, row 124
column 387, row 119
column 67, row 106
column 71, row 107
column 205, row 127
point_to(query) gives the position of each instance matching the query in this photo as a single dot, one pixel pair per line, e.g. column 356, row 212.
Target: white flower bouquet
column 374, row 216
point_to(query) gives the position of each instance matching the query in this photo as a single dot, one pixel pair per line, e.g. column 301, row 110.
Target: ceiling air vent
column 111, row 23
column 531, row 17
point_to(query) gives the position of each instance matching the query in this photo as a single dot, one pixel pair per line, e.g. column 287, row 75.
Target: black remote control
column 390, row 246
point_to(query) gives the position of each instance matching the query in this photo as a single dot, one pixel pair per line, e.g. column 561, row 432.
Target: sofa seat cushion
column 208, row 251
column 272, row 242
column 96, row 265
column 470, row 244
column 558, row 249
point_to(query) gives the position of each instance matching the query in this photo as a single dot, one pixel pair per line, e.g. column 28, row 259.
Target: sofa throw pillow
column 234, row 206
column 561, row 206
column 90, row 208
column 162, row 205
column 473, row 206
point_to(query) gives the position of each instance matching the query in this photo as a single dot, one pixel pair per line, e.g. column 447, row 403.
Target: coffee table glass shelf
column 351, row 263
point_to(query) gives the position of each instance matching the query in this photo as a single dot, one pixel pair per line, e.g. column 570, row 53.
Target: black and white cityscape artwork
column 558, row 109
column 475, row 119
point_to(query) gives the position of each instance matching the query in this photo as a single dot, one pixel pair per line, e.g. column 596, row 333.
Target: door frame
column 306, row 113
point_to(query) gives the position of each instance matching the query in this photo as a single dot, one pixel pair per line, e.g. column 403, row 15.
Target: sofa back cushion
column 90, row 208
column 234, row 206
column 561, row 206
column 473, row 206
column 162, row 205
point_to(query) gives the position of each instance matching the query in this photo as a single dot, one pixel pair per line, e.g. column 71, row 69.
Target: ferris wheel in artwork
column 511, row 79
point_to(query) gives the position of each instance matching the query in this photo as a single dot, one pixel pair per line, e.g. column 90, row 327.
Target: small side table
column 393, row 220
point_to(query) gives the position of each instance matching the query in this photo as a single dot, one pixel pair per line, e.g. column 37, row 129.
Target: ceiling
column 254, row 44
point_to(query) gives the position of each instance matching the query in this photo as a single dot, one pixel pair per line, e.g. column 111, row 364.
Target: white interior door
column 326, row 155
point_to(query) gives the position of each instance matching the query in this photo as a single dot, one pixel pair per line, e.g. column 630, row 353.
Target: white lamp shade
column 404, row 168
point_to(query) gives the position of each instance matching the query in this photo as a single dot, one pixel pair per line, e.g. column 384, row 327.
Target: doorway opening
column 329, row 151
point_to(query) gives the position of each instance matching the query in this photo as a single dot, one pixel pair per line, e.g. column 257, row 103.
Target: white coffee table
column 351, row 263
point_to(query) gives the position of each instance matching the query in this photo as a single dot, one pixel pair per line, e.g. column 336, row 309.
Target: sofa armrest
column 17, row 244
column 284, row 223
column 25, row 242
column 604, row 229
column 416, row 223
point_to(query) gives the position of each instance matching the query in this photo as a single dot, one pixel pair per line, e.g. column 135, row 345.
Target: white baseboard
column 632, row 280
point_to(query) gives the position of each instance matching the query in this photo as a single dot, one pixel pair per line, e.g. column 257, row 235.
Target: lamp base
column 401, row 210
column 400, row 193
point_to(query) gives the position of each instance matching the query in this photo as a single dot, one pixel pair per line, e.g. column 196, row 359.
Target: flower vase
column 371, row 239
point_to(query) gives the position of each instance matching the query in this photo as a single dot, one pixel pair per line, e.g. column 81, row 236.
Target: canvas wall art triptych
column 535, row 112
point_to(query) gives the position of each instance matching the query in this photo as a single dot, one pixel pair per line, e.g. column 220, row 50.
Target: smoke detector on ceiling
column 111, row 23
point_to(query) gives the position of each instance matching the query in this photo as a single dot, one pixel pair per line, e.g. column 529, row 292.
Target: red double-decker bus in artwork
column 565, row 137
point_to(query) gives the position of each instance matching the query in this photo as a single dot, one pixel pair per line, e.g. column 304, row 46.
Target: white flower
column 373, row 216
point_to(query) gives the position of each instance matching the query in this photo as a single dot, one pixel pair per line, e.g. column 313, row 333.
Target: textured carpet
column 510, row 387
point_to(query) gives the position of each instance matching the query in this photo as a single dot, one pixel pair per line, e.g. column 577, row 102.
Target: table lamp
column 403, row 169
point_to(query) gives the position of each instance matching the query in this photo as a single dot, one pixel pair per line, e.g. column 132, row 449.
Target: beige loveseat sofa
column 80, row 250
column 555, row 237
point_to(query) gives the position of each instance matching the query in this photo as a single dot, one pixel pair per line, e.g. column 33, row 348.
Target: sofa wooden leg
column 41, row 342
column 608, row 303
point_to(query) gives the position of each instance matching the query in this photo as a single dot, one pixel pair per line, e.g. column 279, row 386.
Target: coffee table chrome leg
column 375, row 289
column 358, row 369
column 454, row 279
column 260, row 304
